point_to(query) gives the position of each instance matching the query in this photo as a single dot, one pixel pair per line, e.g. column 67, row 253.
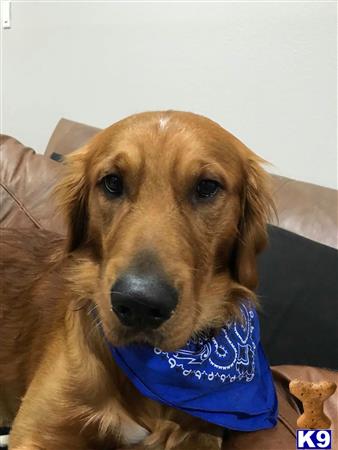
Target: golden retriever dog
column 164, row 205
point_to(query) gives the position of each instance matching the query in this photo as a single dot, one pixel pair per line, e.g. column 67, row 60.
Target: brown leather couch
column 306, row 211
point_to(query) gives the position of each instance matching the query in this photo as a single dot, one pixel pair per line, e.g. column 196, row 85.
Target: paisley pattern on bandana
column 229, row 357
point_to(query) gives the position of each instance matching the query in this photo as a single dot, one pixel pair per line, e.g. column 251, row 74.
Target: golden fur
column 59, row 386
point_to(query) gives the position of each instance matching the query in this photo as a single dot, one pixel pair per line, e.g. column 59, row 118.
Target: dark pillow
column 299, row 296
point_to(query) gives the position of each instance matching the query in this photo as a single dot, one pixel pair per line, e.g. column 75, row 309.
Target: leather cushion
column 307, row 209
column 27, row 180
column 69, row 136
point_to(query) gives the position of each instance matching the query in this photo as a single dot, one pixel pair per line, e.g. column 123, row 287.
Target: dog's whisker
column 80, row 304
column 96, row 326
column 92, row 309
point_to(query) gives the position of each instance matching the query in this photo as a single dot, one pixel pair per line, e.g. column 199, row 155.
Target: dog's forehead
column 158, row 133
column 160, row 140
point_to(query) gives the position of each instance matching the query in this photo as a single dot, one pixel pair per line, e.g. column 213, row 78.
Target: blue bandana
column 225, row 379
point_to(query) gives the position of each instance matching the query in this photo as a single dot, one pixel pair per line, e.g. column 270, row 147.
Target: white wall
column 264, row 70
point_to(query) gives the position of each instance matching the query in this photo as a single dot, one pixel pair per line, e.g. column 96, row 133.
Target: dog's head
column 171, row 210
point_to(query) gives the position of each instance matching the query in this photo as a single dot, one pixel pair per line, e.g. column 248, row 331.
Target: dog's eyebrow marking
column 163, row 122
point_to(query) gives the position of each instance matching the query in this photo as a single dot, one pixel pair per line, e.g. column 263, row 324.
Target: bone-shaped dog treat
column 313, row 396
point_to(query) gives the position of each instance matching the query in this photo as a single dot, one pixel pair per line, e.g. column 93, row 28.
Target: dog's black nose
column 143, row 300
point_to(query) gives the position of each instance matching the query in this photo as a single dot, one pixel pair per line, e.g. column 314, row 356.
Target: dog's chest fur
column 132, row 433
column 112, row 425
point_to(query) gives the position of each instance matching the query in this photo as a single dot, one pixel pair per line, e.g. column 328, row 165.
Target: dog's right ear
column 72, row 198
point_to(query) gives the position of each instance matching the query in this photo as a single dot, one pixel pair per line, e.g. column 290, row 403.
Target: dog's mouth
column 123, row 336
column 117, row 334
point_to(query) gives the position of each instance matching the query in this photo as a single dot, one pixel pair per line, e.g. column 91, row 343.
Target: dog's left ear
column 72, row 198
column 257, row 205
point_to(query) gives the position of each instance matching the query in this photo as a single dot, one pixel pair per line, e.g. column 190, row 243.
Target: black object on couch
column 299, row 296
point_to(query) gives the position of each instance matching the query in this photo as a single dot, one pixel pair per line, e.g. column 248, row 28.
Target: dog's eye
column 207, row 188
column 113, row 184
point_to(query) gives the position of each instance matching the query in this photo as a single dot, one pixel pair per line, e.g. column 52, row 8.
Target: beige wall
column 264, row 70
